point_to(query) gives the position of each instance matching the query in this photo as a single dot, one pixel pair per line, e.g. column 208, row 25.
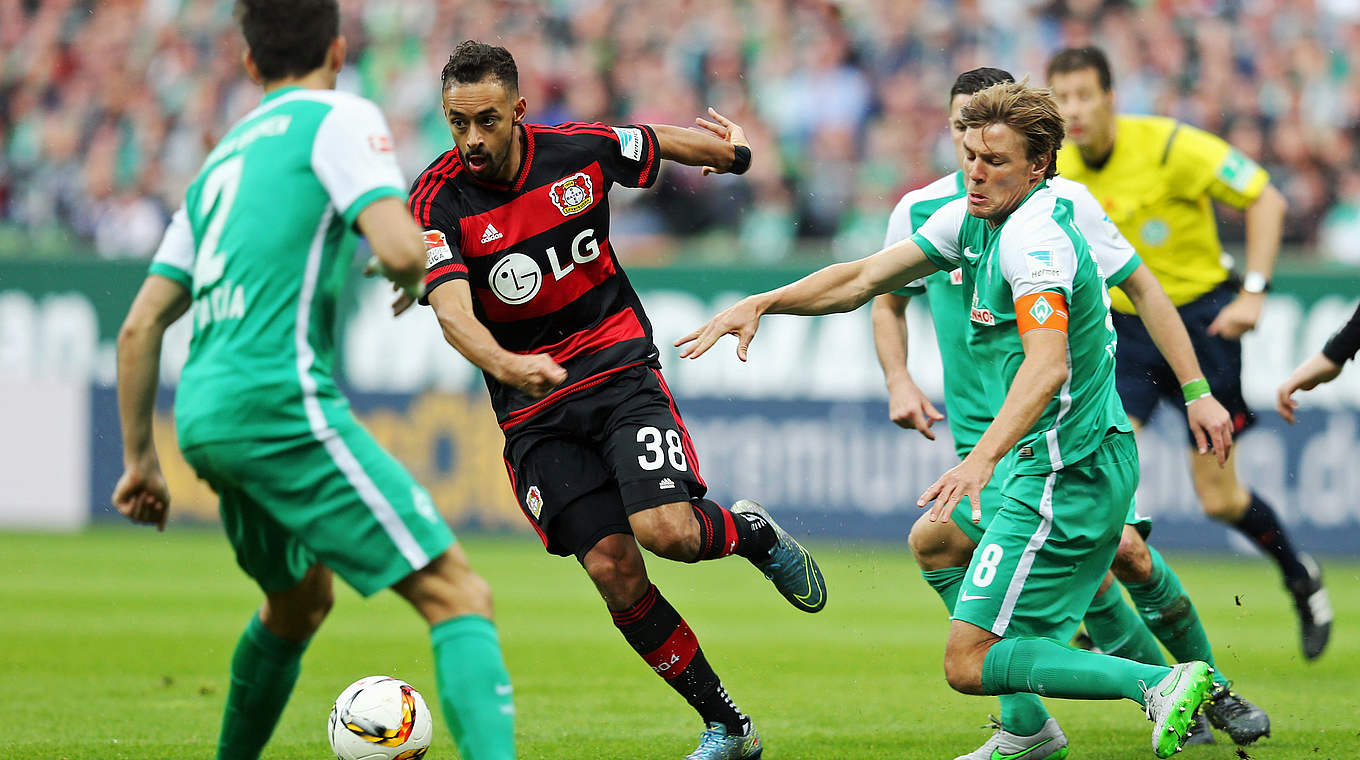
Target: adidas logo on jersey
column 667, row 483
column 490, row 234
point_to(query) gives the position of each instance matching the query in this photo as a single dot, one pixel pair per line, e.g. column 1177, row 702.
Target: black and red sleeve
column 443, row 259
column 628, row 155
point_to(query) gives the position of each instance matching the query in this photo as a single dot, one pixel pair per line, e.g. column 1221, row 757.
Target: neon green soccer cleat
column 790, row 566
column 1171, row 705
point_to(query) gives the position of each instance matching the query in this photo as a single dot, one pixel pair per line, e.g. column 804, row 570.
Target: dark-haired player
column 259, row 252
column 526, row 285
column 1156, row 178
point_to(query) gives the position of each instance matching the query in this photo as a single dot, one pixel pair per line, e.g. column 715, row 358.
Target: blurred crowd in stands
column 107, row 108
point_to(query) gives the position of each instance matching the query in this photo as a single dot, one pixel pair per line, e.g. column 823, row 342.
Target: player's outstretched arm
column 141, row 492
column 719, row 146
column 1210, row 423
column 833, row 289
column 534, row 374
column 1037, row 381
column 1265, row 225
column 908, row 407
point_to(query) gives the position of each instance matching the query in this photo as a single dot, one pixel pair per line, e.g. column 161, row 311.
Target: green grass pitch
column 114, row 644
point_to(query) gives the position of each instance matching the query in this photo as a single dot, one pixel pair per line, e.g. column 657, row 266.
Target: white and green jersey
column 1037, row 249
column 966, row 403
column 264, row 241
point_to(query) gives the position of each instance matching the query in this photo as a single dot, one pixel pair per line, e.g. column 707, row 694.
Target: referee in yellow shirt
column 1157, row 178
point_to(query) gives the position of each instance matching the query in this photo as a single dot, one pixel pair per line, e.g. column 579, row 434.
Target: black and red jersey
column 537, row 256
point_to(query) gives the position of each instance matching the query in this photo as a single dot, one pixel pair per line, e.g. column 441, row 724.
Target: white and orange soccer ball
column 380, row 718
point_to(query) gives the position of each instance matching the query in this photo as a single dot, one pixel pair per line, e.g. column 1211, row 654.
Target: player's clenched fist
column 142, row 495
column 534, row 374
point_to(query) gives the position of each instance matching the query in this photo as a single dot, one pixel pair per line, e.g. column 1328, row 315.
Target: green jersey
column 264, row 241
column 1036, row 250
column 966, row 402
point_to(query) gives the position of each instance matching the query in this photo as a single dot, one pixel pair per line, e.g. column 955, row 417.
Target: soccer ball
column 380, row 718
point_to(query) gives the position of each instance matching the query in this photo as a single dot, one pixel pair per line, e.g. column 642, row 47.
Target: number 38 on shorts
column 658, row 448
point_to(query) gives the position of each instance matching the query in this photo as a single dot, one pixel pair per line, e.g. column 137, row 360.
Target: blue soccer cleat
column 790, row 566
column 716, row 744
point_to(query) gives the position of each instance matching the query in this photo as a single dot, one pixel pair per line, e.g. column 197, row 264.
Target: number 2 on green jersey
column 219, row 193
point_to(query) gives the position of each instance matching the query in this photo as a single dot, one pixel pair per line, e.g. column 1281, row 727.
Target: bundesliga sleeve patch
column 1046, row 311
column 1237, row 171
column 436, row 248
column 1040, row 264
column 630, row 142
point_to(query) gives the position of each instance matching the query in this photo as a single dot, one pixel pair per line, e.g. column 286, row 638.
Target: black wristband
column 1343, row 345
column 741, row 159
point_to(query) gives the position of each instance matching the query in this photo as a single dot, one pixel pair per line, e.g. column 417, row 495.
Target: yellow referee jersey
column 1156, row 186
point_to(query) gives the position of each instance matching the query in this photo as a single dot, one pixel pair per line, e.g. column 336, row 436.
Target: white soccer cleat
column 1172, row 702
column 1048, row 743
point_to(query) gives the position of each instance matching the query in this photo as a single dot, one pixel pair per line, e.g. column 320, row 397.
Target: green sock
column 1021, row 714
column 946, row 583
column 1171, row 616
column 1117, row 629
column 1043, row 666
column 263, row 671
column 474, row 687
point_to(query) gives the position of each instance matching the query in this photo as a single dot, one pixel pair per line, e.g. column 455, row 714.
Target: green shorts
column 991, row 498
column 342, row 500
column 1049, row 545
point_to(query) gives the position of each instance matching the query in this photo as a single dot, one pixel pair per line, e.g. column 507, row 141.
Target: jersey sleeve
column 1204, row 163
column 899, row 229
column 174, row 257
column 1037, row 258
column 938, row 236
column 628, row 155
column 1112, row 251
column 443, row 258
column 354, row 159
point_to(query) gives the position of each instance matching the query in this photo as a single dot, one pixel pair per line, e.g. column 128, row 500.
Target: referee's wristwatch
column 1255, row 283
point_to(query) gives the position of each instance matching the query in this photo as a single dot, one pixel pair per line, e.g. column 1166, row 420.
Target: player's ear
column 336, row 54
column 252, row 70
column 521, row 108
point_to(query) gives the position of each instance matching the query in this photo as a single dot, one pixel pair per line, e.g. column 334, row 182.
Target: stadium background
column 120, row 636
column 843, row 103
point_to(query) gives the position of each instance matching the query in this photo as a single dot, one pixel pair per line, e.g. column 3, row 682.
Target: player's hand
column 1212, row 427
column 1238, row 317
column 741, row 319
column 404, row 300
column 1315, row 371
column 967, row 478
column 142, row 495
column 909, row 408
column 723, row 129
column 534, row 374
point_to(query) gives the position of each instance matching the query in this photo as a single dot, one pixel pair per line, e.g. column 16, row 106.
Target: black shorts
column 1143, row 377
column 580, row 467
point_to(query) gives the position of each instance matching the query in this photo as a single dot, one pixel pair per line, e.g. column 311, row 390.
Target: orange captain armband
column 1041, row 311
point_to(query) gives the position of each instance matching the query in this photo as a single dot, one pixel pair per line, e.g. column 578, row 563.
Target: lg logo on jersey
column 517, row 278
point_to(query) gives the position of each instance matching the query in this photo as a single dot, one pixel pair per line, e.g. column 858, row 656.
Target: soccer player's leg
column 1222, row 493
column 267, row 659
column 651, row 455
column 595, row 528
column 362, row 515
column 943, row 549
column 1170, row 614
column 1036, row 569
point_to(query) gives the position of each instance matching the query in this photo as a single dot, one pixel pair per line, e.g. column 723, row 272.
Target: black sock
column 722, row 533
column 1260, row 524
column 658, row 633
